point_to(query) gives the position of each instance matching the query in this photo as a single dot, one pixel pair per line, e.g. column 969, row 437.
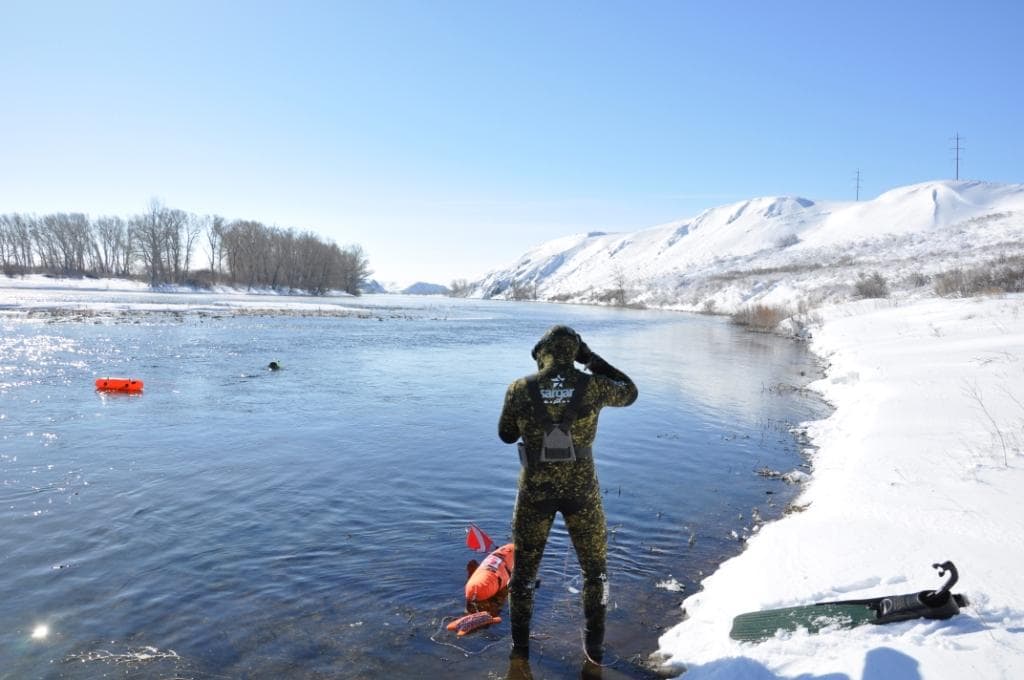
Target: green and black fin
column 927, row 604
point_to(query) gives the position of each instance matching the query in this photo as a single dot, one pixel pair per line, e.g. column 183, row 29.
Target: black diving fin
column 927, row 604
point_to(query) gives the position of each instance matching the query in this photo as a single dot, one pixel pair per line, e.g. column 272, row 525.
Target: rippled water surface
column 235, row 522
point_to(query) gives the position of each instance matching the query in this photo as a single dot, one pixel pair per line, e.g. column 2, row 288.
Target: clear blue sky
column 448, row 137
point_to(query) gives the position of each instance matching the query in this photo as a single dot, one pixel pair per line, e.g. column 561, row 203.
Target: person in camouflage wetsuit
column 567, row 487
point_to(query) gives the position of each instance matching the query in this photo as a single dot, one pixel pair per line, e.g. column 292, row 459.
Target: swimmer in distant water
column 274, row 366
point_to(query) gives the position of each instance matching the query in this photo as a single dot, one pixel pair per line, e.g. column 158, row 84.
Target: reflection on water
column 235, row 521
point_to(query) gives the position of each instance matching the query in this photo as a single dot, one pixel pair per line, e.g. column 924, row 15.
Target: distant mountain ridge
column 423, row 288
column 724, row 257
column 419, row 288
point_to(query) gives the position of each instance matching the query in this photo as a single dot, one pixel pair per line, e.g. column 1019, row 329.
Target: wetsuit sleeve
column 508, row 426
column 617, row 389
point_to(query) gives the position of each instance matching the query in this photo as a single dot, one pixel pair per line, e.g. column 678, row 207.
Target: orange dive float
column 465, row 625
column 129, row 385
column 492, row 575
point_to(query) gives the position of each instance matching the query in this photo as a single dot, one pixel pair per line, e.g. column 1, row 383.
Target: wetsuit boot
column 593, row 636
column 595, row 607
column 520, row 642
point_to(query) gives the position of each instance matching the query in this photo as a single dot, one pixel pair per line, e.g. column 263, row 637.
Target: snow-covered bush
column 1000, row 276
column 871, row 285
column 787, row 241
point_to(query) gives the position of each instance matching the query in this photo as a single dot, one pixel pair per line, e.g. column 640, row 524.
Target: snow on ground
column 40, row 282
column 90, row 296
column 921, row 462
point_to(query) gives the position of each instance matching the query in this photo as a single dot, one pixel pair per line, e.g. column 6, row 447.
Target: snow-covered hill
column 417, row 288
column 776, row 249
column 424, row 288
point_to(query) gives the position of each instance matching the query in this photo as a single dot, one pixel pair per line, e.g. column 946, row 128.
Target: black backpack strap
column 540, row 411
column 572, row 410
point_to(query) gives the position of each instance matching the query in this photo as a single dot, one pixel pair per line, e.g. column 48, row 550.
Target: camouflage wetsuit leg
column 585, row 521
column 588, row 532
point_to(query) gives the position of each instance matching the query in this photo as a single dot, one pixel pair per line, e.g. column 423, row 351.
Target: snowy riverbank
column 921, row 462
column 84, row 297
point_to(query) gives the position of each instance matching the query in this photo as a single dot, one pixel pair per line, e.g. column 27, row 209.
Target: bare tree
column 459, row 288
column 523, row 290
column 148, row 235
column 355, row 269
column 6, row 246
column 18, row 232
column 63, row 242
column 111, row 242
column 245, row 245
column 165, row 238
column 215, row 242
column 192, row 227
column 619, row 282
column 174, row 229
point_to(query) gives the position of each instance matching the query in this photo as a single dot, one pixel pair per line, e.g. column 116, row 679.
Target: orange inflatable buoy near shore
column 492, row 575
column 118, row 385
column 465, row 625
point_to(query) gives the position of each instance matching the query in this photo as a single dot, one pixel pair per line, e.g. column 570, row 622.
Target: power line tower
column 856, row 181
column 957, row 149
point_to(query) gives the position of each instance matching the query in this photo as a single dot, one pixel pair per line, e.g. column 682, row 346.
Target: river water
column 233, row 522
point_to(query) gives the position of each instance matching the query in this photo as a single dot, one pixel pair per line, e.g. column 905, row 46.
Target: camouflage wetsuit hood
column 567, row 487
column 558, row 346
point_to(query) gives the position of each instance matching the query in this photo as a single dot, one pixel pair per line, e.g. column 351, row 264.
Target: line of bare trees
column 252, row 254
column 158, row 246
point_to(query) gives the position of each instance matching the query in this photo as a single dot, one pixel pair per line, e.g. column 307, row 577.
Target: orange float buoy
column 119, row 385
column 492, row 575
column 465, row 625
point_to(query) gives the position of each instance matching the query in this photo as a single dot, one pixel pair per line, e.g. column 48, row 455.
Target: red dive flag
column 476, row 539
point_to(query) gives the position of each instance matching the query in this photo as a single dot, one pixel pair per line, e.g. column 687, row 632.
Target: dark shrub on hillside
column 918, row 280
column 760, row 317
column 997, row 277
column 787, row 241
column 871, row 286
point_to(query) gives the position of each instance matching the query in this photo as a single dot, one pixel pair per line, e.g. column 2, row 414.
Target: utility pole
column 857, row 183
column 957, row 149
